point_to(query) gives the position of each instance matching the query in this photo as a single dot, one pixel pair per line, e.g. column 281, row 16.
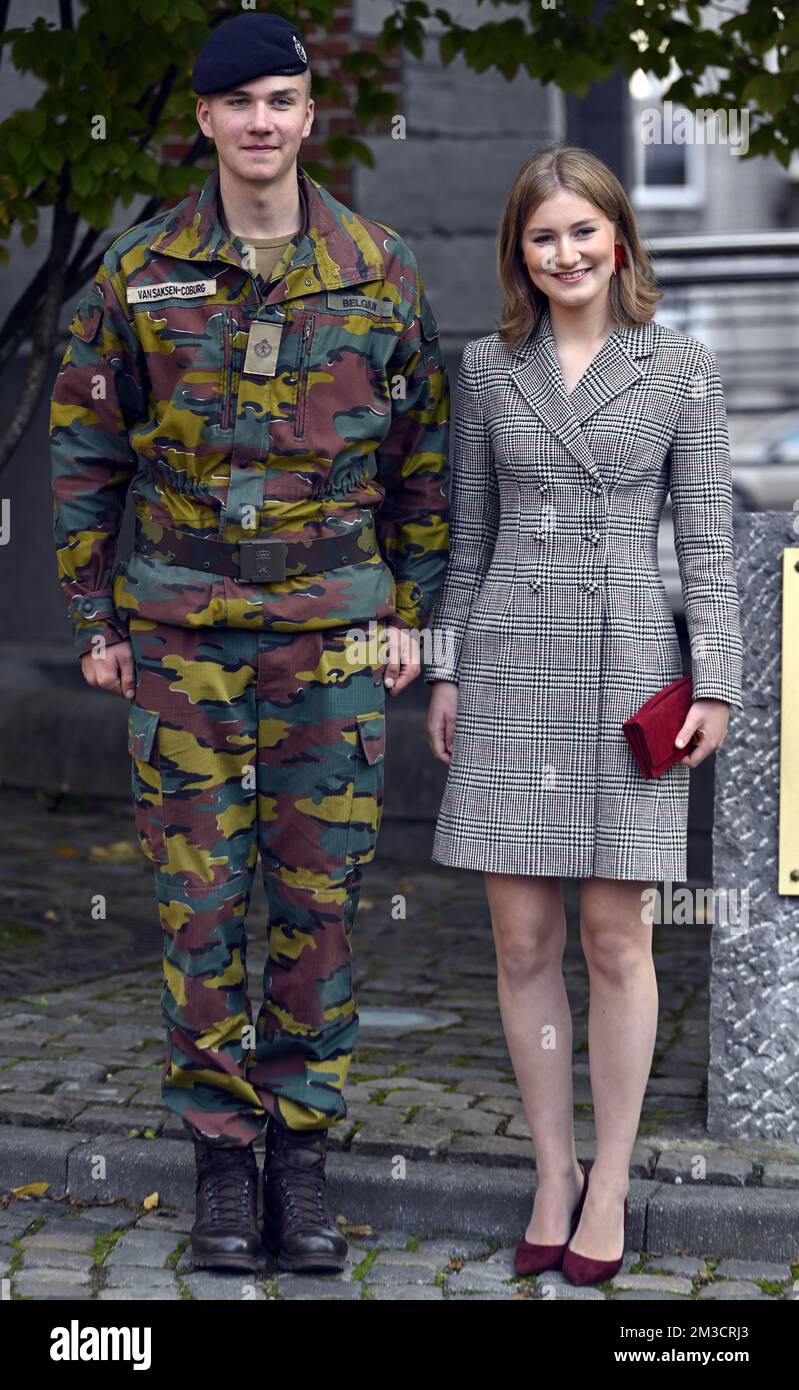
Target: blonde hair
column 632, row 292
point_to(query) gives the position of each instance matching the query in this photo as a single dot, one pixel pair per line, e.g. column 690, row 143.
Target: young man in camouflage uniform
column 278, row 405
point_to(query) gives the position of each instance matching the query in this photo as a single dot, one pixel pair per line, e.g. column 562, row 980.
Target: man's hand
column 404, row 662
column 114, row 671
column 710, row 717
column 441, row 719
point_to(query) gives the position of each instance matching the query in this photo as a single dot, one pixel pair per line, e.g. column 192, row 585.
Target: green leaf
column 449, row 46
column 146, row 168
column 768, row 91
column 51, row 157
column 82, row 179
column 19, row 147
column 82, row 49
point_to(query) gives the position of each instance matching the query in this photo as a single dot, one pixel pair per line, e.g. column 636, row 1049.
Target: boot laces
column 304, row 1194
column 229, row 1187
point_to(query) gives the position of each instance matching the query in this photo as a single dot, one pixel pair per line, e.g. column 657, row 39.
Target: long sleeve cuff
column 93, row 616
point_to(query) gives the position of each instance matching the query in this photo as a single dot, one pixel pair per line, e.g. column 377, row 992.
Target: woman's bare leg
column 622, row 1024
column 529, row 927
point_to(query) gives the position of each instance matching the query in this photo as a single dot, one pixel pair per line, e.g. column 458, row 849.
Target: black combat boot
column 225, row 1232
column 297, row 1225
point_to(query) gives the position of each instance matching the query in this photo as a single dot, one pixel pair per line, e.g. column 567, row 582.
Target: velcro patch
column 359, row 303
column 263, row 346
column 170, row 289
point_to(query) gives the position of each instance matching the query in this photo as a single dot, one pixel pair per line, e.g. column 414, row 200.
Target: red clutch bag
column 651, row 731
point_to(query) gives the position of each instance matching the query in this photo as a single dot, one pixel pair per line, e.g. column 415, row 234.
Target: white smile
column 573, row 275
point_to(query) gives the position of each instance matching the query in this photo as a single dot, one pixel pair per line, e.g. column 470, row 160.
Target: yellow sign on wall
column 788, row 847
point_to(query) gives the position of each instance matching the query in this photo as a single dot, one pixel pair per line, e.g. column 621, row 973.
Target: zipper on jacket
column 224, row 415
column 302, row 385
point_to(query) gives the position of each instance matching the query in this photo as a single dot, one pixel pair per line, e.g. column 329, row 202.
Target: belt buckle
column 262, row 562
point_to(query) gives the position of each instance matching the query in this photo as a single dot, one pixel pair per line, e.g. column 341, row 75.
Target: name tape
column 170, row 289
column 359, row 303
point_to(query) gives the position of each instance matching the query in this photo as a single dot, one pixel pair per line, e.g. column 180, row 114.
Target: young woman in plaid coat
column 552, row 627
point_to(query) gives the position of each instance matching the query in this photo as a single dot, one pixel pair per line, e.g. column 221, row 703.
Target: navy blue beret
column 249, row 46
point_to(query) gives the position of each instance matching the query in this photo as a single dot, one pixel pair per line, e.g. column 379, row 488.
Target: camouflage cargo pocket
column 367, row 794
column 148, row 804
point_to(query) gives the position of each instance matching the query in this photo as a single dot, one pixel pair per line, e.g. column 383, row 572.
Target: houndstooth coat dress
column 553, row 618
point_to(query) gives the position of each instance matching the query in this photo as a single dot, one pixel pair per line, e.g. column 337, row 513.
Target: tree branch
column 5, row 6
column 46, row 323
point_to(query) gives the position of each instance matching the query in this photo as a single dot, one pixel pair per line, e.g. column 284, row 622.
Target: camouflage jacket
column 152, row 396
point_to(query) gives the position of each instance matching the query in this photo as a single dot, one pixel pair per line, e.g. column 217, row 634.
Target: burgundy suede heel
column 581, row 1269
column 534, row 1259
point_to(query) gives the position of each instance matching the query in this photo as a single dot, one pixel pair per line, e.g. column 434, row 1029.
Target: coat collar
column 536, row 372
column 336, row 250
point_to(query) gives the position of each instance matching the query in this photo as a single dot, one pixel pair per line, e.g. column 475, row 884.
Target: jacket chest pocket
column 342, row 395
column 148, row 801
column 189, row 351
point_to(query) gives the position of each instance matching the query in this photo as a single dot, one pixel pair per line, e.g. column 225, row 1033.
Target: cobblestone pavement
column 60, row 1250
column 81, row 1047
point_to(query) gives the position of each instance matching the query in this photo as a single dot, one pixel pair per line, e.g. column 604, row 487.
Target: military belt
column 259, row 561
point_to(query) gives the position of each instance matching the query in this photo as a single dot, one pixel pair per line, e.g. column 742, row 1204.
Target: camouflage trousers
column 247, row 744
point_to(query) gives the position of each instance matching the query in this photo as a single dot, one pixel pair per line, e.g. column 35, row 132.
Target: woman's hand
column 441, row 719
column 710, row 717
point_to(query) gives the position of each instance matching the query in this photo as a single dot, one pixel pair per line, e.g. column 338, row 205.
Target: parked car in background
column 765, row 461
column 764, row 451
column 739, row 293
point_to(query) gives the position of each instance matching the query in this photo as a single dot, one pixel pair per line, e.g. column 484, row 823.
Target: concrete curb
column 433, row 1198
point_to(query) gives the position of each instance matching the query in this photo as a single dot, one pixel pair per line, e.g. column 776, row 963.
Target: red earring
column 620, row 257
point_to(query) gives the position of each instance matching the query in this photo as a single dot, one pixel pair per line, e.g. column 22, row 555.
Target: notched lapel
column 539, row 378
